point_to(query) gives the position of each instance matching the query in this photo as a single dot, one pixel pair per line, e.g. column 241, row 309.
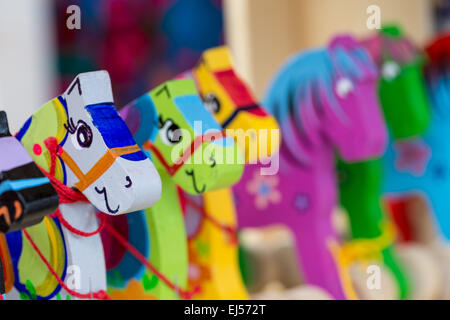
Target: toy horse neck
column 85, row 219
column 80, row 217
column 306, row 147
column 320, row 171
column 81, row 250
column 315, row 182
column 308, row 196
column 171, row 189
column 168, row 254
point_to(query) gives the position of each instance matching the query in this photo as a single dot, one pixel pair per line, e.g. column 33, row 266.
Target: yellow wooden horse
column 211, row 217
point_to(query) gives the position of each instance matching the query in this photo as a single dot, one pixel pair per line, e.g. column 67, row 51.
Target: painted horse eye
column 84, row 134
column 212, row 103
column 170, row 133
column 213, row 161
column 390, row 70
column 343, row 87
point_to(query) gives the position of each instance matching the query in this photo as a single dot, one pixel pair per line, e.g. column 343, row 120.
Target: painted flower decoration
column 198, row 273
column 412, row 156
column 265, row 190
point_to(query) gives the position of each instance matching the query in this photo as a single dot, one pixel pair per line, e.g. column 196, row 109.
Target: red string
column 186, row 295
column 101, row 294
column 230, row 230
column 66, row 195
column 76, row 231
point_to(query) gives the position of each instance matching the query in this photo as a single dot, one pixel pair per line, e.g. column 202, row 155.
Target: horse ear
column 4, row 128
column 218, row 59
column 141, row 118
column 392, row 30
column 92, row 87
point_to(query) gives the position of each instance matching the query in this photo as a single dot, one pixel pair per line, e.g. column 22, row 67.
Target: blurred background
column 144, row 42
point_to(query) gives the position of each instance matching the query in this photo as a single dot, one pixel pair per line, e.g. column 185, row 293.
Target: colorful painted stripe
column 22, row 184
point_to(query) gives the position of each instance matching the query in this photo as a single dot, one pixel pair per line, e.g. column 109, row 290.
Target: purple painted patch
column 17, row 155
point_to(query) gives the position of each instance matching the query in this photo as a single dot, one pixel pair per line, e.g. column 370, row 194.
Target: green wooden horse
column 190, row 152
column 405, row 105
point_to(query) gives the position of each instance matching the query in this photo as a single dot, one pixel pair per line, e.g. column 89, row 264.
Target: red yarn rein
column 67, row 196
column 101, row 294
column 228, row 229
column 186, row 295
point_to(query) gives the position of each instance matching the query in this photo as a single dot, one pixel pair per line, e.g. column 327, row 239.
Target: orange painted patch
column 134, row 291
column 5, row 212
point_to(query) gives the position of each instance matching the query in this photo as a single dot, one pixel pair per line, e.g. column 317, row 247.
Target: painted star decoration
column 412, row 156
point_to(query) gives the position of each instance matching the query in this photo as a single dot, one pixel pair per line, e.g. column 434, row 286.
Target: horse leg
column 360, row 194
column 317, row 250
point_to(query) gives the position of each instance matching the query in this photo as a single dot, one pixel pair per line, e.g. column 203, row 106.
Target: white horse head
column 97, row 153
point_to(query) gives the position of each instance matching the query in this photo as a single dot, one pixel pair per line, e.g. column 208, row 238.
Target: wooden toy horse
column 420, row 166
column 324, row 99
column 404, row 102
column 412, row 165
column 188, row 149
column 26, row 195
column 211, row 217
column 88, row 153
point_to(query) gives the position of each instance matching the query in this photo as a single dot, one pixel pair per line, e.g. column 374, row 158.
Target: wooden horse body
column 82, row 143
column 404, row 101
column 211, row 218
column 172, row 123
column 26, row 196
column 420, row 165
column 323, row 99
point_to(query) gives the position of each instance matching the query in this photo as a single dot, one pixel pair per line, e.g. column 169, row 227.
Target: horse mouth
column 103, row 191
column 194, row 182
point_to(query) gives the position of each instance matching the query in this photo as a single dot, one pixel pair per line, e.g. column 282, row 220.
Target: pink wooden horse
column 324, row 100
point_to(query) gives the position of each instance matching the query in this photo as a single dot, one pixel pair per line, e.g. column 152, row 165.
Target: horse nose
column 129, row 182
column 142, row 183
